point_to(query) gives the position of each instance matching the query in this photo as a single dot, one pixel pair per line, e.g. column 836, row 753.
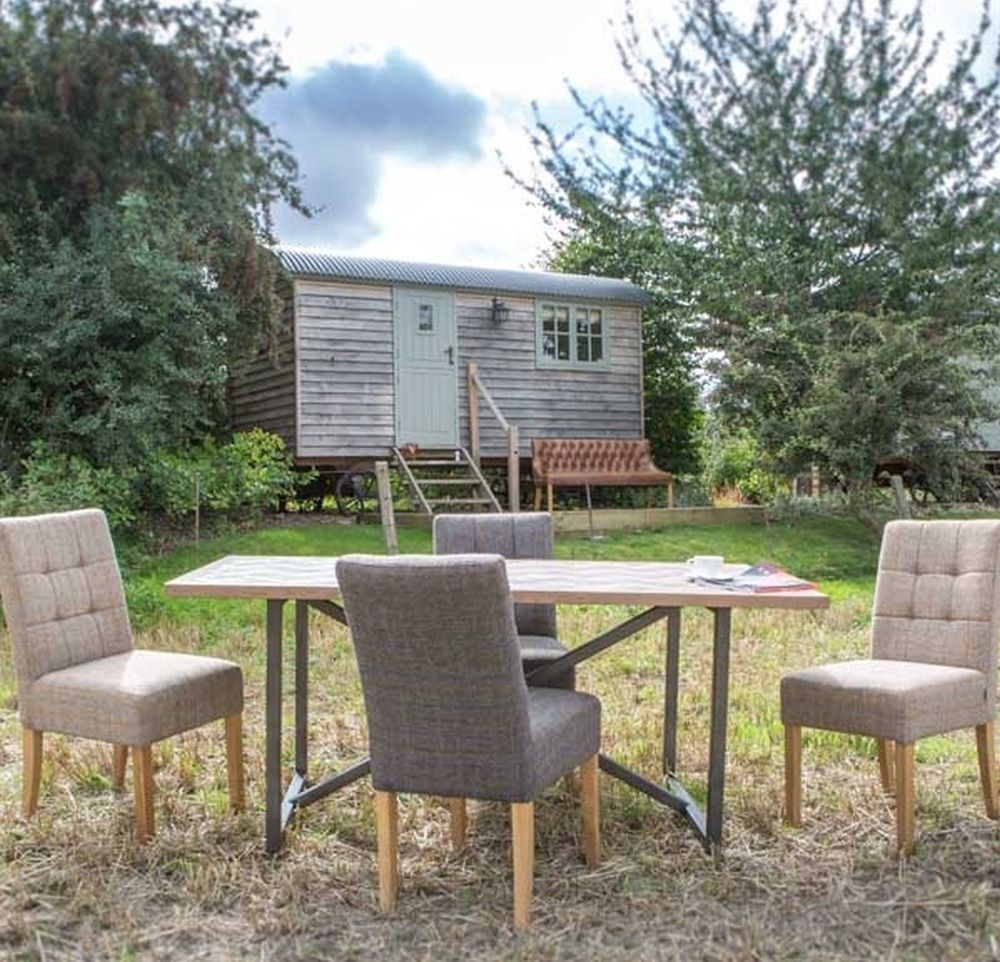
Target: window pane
column 571, row 333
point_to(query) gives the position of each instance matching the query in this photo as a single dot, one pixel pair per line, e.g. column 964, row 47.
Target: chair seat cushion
column 135, row 698
column 565, row 732
column 898, row 700
column 539, row 650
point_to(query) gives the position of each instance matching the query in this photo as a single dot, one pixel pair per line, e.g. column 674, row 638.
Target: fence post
column 513, row 469
column 902, row 505
column 197, row 510
column 385, row 510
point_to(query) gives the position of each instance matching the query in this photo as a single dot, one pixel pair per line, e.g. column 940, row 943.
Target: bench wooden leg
column 538, row 497
column 550, row 498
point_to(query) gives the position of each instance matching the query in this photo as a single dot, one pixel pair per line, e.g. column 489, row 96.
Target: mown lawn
column 74, row 885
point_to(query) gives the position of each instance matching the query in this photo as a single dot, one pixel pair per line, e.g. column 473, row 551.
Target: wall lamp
column 499, row 311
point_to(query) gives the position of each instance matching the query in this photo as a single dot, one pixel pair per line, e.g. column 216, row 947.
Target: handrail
column 488, row 398
column 477, row 389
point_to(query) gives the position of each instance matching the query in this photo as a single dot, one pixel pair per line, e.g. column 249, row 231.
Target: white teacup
column 705, row 565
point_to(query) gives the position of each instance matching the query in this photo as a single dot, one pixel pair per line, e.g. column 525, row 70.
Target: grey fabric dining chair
column 448, row 709
column 933, row 663
column 526, row 534
column 77, row 670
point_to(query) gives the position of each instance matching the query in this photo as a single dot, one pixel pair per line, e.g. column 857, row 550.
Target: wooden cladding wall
column 262, row 390
column 329, row 388
column 548, row 402
column 344, row 341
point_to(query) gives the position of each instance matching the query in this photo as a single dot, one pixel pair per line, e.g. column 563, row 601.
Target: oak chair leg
column 119, row 762
column 522, row 825
column 538, row 496
column 142, row 786
column 234, row 760
column 459, row 823
column 986, row 747
column 31, row 740
column 793, row 775
column 549, row 487
column 886, row 767
column 590, row 810
column 387, row 845
column 905, row 799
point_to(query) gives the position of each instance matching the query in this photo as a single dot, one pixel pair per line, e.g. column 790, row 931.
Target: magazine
column 762, row 576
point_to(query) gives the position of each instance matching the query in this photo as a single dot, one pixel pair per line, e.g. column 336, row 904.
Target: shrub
column 53, row 481
column 734, row 464
column 249, row 475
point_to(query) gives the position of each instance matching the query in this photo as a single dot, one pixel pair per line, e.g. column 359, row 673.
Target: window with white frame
column 571, row 335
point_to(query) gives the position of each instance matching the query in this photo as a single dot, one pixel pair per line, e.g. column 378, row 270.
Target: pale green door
column 426, row 369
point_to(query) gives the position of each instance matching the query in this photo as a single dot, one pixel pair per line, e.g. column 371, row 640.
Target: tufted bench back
column 601, row 458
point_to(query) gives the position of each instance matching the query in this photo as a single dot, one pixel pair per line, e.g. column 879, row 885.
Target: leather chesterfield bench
column 585, row 462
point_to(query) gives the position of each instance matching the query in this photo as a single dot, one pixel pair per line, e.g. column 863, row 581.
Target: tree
column 117, row 348
column 136, row 187
column 825, row 210
column 672, row 413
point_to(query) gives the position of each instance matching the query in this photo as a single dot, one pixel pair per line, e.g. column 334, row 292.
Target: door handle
column 450, row 351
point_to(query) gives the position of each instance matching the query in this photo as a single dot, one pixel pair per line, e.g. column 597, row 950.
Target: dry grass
column 73, row 885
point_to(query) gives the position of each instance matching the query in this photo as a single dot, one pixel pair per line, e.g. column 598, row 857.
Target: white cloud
column 446, row 206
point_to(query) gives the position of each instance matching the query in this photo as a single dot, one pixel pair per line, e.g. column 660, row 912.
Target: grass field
column 73, row 885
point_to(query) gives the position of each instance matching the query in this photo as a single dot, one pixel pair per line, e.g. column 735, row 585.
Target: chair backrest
column 937, row 595
column 440, row 669
column 526, row 534
column 62, row 591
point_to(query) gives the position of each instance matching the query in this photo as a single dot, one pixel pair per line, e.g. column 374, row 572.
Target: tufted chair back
column 62, row 592
column 937, row 596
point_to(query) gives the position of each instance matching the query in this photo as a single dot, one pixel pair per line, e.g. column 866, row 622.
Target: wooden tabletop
column 651, row 583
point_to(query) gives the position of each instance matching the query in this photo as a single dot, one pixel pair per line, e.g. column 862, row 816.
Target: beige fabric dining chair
column 933, row 663
column 77, row 670
column 470, row 729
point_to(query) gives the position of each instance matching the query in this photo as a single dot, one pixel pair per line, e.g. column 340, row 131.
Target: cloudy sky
column 397, row 109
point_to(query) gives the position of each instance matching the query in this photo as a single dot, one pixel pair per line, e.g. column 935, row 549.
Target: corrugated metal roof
column 302, row 262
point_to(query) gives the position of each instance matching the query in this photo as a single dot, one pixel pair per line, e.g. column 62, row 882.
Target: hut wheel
column 357, row 492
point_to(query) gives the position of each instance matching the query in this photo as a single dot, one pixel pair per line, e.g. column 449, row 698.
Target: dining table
column 649, row 591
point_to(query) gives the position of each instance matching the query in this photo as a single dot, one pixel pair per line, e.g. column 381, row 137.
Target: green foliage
column 55, row 481
column 817, row 201
column 115, row 348
column 734, row 464
column 614, row 247
column 251, row 474
column 136, row 185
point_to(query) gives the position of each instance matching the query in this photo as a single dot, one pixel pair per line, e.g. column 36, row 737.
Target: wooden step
column 457, row 501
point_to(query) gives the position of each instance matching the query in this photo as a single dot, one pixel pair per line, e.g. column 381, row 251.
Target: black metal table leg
column 670, row 691
column 717, row 735
column 272, row 711
column 301, row 688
